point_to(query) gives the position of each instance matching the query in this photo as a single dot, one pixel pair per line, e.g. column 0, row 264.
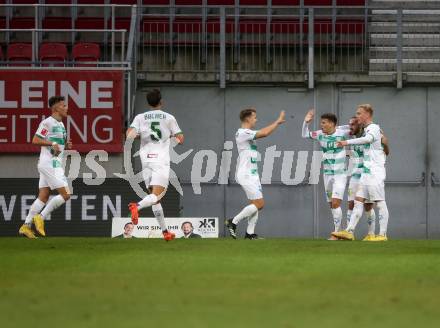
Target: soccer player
column 155, row 128
column 356, row 153
column 51, row 136
column 247, row 170
column 334, row 174
column 372, row 181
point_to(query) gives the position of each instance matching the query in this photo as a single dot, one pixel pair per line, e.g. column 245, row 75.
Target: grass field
column 98, row 282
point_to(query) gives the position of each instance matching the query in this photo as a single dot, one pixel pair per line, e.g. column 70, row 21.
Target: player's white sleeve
column 361, row 141
column 307, row 134
column 246, row 135
column 136, row 124
column 174, row 127
column 42, row 130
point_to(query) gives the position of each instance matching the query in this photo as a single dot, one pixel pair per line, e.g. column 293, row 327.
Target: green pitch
column 97, row 282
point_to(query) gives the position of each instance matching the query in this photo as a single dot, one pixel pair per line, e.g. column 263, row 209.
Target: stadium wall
column 209, row 117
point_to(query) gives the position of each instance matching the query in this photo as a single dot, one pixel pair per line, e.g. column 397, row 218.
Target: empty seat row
column 52, row 54
column 161, row 25
column 210, row 2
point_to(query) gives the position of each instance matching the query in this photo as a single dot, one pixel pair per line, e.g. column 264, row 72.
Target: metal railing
column 222, row 40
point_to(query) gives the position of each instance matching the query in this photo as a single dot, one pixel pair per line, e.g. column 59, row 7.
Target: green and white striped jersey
column 356, row 161
column 52, row 130
column 333, row 157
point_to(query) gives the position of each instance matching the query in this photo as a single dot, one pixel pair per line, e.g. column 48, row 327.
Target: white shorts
column 334, row 186
column 53, row 178
column 156, row 174
column 251, row 186
column 373, row 192
column 353, row 187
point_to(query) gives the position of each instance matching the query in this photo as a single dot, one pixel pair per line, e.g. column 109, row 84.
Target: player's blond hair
column 368, row 108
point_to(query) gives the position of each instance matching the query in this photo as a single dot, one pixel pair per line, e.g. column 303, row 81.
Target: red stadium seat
column 90, row 2
column 285, row 2
column 317, row 2
column 253, row 2
column 350, row 2
column 24, row 23
column 124, row 2
column 188, row 2
column 2, row 22
column 90, row 23
column 58, row 2
column 156, row 2
column 86, row 52
column 57, row 23
column 53, row 52
column 221, row 2
column 121, row 23
column 24, row 2
column 20, row 52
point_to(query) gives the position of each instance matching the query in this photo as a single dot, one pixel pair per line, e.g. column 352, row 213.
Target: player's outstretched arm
column 357, row 141
column 264, row 132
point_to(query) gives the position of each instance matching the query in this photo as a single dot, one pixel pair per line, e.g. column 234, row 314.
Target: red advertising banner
column 94, row 98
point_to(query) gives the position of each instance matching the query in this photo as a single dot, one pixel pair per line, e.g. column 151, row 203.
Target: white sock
column 147, row 201
column 53, row 204
column 158, row 213
column 36, row 208
column 349, row 216
column 252, row 222
column 337, row 218
column 246, row 212
column 383, row 217
column 355, row 215
column 371, row 220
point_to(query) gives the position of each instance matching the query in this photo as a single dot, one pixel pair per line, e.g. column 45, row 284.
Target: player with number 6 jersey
column 155, row 128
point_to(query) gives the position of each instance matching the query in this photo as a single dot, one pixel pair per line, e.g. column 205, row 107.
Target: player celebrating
column 155, row 128
column 372, row 181
column 51, row 136
column 247, row 170
column 356, row 162
column 335, row 176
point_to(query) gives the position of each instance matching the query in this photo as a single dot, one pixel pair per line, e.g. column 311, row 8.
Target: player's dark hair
column 245, row 113
column 330, row 116
column 181, row 227
column 55, row 100
column 125, row 226
column 154, row 97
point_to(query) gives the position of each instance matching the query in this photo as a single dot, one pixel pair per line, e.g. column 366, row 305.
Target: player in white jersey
column 155, row 129
column 372, row 181
column 334, row 173
column 356, row 153
column 51, row 136
column 247, row 170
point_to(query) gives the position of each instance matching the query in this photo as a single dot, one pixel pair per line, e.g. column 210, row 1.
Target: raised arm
column 305, row 129
column 264, row 132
